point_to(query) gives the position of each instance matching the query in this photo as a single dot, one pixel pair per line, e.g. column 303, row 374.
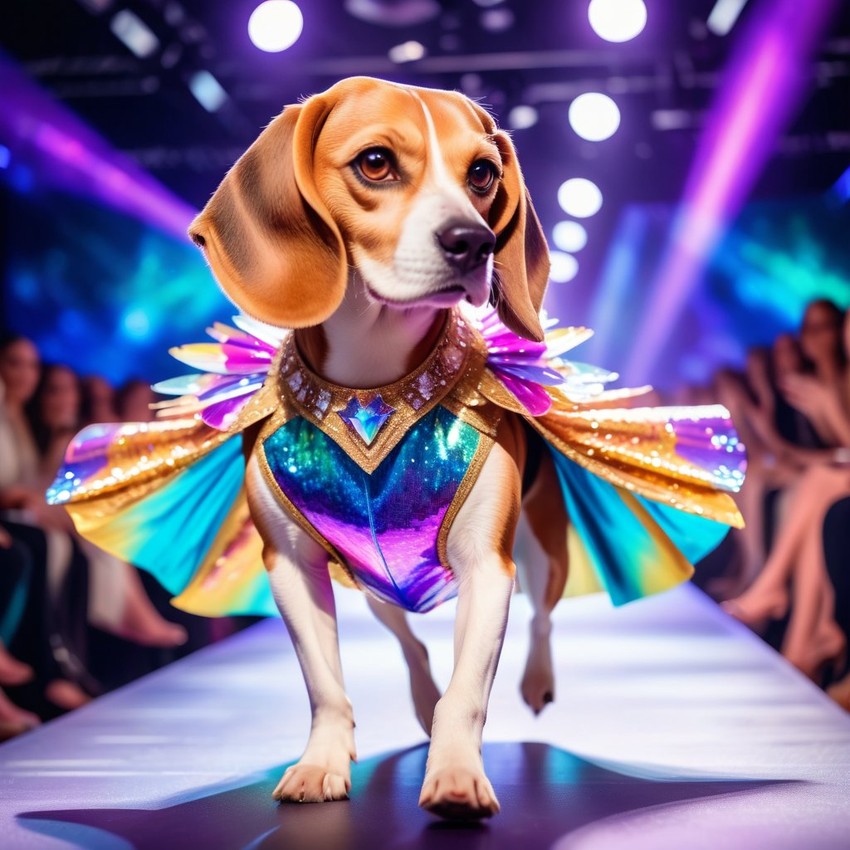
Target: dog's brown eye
column 376, row 165
column 482, row 175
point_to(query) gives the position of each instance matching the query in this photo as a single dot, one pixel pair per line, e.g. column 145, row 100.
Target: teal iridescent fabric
column 385, row 525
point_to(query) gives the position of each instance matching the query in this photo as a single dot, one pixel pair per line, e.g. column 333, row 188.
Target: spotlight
column 569, row 236
column 594, row 116
column 564, row 267
column 617, row 20
column 275, row 25
column 580, row 197
column 522, row 117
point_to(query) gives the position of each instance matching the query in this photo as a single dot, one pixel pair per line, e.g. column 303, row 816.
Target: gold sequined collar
column 368, row 424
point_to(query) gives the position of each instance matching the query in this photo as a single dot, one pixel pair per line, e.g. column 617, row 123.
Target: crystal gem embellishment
column 366, row 420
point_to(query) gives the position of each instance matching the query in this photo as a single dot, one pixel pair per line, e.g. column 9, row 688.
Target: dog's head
column 414, row 188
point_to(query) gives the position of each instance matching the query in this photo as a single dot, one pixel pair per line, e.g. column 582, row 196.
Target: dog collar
column 368, row 423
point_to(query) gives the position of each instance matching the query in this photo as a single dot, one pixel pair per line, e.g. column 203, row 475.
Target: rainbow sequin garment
column 376, row 476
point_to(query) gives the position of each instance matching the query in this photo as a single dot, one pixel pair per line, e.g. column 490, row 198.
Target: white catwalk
column 673, row 727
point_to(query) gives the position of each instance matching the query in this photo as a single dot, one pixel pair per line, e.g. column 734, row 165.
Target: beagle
column 361, row 218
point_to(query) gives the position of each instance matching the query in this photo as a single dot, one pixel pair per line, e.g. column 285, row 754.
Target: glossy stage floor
column 674, row 727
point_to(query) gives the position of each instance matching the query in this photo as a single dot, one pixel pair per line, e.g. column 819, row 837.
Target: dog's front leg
column 479, row 549
column 301, row 584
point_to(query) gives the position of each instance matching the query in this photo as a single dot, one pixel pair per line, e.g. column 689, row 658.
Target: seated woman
column 117, row 600
column 796, row 560
column 56, row 561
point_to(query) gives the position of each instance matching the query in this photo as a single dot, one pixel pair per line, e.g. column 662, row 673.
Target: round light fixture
column 564, row 267
column 579, row 197
column 617, row 20
column 594, row 116
column 569, row 236
column 522, row 117
column 275, row 25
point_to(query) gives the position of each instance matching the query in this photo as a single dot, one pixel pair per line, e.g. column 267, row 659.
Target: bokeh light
column 594, row 116
column 617, row 20
column 408, row 51
column 564, row 267
column 580, row 197
column 522, row 117
column 569, row 236
column 275, row 25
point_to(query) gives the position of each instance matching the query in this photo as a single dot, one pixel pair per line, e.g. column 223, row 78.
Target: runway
column 673, row 727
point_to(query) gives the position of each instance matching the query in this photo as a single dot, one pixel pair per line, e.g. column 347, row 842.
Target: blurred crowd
column 787, row 574
column 74, row 620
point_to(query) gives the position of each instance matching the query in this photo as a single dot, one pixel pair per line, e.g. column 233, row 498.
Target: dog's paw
column 309, row 783
column 538, row 680
column 459, row 794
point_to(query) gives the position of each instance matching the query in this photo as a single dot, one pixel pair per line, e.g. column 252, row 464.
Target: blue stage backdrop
column 102, row 292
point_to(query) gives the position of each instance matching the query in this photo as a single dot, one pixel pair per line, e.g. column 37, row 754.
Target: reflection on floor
column 673, row 727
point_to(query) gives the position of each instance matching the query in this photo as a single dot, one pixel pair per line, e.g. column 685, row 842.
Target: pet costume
column 377, row 476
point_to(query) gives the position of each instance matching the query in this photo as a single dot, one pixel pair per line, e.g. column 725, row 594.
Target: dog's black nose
column 466, row 245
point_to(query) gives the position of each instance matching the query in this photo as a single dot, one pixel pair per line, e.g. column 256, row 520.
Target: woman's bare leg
column 813, row 636
column 119, row 603
column 768, row 595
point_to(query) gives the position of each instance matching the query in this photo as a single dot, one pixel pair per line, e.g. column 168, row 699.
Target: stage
column 673, row 727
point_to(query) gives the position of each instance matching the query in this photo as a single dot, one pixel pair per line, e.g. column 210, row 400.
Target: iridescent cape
column 647, row 489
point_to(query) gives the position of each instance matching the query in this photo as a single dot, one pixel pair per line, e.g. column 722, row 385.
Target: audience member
column 50, row 638
column 98, row 400
column 794, row 575
column 117, row 600
column 134, row 400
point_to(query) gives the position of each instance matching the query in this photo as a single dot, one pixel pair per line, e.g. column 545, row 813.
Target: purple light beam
column 767, row 76
column 68, row 154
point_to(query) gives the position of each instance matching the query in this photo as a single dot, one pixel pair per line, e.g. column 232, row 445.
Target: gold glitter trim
column 412, row 397
column 146, row 455
column 482, row 452
column 637, row 455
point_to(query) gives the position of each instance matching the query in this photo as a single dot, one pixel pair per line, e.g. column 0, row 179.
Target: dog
column 361, row 217
column 393, row 440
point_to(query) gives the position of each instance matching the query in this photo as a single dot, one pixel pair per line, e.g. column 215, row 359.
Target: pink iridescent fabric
column 235, row 367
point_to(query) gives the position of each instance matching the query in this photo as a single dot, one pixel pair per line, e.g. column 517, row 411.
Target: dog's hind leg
column 542, row 571
column 423, row 690
column 301, row 585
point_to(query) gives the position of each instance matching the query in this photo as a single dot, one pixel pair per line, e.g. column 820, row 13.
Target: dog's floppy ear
column 522, row 255
column 268, row 237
